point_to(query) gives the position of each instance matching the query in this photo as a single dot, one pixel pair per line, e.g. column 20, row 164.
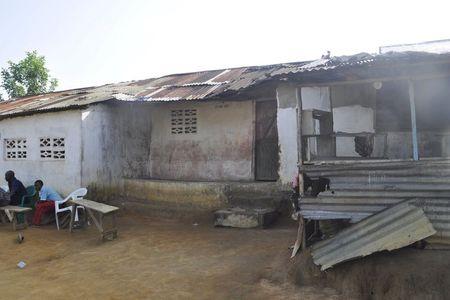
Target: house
column 187, row 141
column 378, row 127
column 205, row 140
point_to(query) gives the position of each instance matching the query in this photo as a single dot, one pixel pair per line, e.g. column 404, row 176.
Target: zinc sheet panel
column 393, row 228
column 182, row 93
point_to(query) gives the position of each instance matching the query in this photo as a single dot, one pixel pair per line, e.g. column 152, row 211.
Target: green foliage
column 27, row 77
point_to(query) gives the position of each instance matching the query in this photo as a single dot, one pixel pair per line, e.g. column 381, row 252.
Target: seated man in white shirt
column 46, row 203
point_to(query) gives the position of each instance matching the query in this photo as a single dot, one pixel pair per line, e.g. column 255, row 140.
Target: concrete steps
column 245, row 217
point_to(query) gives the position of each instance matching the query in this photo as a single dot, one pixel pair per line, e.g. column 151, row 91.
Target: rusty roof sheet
column 390, row 229
column 197, row 85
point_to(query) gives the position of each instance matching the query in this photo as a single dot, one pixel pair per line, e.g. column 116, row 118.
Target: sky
column 95, row 42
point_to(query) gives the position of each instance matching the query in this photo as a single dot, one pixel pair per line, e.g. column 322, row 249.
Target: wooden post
column 412, row 105
column 298, row 94
column 301, row 239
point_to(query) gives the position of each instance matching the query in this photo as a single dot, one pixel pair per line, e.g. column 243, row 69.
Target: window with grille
column 52, row 147
column 184, row 121
column 15, row 149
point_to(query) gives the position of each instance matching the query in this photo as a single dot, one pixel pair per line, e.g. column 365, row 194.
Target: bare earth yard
column 151, row 259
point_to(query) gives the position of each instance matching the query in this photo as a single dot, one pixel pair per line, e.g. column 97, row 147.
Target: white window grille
column 15, row 149
column 184, row 121
column 52, row 148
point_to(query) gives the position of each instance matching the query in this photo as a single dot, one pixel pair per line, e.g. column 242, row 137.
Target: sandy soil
column 151, row 259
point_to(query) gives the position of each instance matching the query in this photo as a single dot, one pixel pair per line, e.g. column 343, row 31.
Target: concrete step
column 245, row 217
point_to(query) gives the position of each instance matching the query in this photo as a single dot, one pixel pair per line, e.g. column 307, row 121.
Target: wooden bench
column 10, row 212
column 97, row 212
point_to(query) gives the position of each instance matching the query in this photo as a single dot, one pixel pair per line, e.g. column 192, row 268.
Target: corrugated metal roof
column 393, row 228
column 198, row 85
column 191, row 86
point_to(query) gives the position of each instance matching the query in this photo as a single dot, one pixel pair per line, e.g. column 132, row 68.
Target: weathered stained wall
column 316, row 98
column 172, row 196
column 353, row 112
column 116, row 143
column 63, row 175
column 222, row 149
column 287, row 132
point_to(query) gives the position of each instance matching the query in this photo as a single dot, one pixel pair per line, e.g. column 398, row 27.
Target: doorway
column 266, row 141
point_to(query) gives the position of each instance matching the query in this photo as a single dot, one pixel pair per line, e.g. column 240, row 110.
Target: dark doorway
column 266, row 152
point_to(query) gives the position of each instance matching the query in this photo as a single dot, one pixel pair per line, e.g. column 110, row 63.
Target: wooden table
column 97, row 212
column 11, row 211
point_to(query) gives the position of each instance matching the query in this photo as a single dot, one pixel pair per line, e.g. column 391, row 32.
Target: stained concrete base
column 245, row 218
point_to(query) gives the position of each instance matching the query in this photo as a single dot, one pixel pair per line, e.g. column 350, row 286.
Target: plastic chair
column 27, row 201
column 77, row 194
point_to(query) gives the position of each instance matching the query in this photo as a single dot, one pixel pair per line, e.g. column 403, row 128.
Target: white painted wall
column 316, row 98
column 287, row 139
column 63, row 175
column 222, row 148
column 116, row 142
column 287, row 132
column 353, row 119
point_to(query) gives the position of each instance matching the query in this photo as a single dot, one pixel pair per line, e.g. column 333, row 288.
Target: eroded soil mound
column 403, row 274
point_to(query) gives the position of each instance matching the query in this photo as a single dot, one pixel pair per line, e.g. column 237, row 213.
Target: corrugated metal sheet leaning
column 390, row 229
column 360, row 190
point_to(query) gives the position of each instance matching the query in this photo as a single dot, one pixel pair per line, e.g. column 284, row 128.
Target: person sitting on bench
column 47, row 197
column 16, row 188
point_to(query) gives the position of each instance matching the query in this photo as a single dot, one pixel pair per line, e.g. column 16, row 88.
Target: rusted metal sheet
column 181, row 93
column 211, row 84
column 390, row 229
column 361, row 189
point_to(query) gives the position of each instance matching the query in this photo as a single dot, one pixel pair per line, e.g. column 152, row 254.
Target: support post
column 298, row 94
column 301, row 239
column 412, row 105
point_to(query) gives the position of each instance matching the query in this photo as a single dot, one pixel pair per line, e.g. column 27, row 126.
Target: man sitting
column 16, row 188
column 46, row 203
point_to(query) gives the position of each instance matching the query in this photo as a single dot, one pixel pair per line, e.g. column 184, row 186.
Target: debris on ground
column 21, row 264
column 245, row 217
column 20, row 238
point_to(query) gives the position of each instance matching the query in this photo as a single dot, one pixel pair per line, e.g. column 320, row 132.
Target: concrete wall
column 116, row 143
column 222, row 149
column 353, row 119
column 287, row 132
column 316, row 98
column 353, row 112
column 63, row 175
column 185, row 197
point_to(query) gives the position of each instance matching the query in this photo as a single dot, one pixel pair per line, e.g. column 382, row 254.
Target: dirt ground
column 151, row 259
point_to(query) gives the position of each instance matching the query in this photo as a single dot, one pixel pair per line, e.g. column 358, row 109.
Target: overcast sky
column 95, row 42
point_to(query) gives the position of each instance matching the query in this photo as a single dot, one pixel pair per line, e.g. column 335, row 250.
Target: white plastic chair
column 77, row 194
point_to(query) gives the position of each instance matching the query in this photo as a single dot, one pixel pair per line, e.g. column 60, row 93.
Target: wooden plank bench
column 97, row 212
column 10, row 212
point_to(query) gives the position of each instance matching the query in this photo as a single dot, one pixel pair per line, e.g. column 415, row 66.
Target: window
column 15, row 149
column 184, row 121
column 52, row 148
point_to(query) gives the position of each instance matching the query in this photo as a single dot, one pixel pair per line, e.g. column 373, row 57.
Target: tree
column 27, row 77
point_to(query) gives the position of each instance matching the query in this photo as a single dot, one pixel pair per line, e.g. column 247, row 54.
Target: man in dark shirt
column 16, row 188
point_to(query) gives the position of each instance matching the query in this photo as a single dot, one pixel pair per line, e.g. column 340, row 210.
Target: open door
column 266, row 144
